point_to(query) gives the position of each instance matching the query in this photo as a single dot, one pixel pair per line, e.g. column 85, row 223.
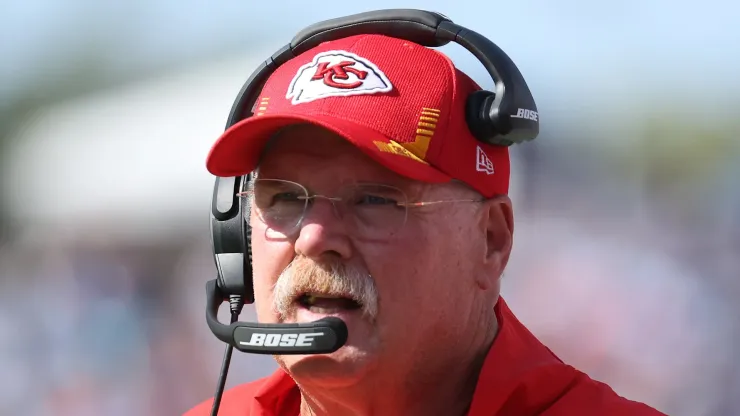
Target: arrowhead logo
column 336, row 74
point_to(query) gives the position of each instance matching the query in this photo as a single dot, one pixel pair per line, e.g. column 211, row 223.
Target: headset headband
column 491, row 123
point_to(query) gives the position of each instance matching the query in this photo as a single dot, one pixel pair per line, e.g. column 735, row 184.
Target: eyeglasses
column 369, row 210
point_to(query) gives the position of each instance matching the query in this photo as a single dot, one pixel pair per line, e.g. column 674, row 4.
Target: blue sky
column 570, row 48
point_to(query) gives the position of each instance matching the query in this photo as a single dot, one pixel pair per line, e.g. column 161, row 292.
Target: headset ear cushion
column 477, row 108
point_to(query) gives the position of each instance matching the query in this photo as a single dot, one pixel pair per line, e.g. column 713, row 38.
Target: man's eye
column 285, row 197
column 368, row 199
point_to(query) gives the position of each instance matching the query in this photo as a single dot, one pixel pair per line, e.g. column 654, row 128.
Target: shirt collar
column 519, row 374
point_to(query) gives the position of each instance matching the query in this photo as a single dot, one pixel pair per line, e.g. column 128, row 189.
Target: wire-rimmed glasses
column 370, row 210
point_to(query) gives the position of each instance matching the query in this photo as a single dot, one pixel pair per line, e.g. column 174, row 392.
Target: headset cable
column 236, row 303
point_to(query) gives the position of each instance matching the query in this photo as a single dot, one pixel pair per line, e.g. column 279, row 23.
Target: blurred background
column 627, row 206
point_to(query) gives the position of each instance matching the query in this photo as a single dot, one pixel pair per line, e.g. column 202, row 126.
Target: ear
column 497, row 222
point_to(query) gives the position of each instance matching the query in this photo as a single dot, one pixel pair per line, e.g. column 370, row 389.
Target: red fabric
column 400, row 102
column 520, row 377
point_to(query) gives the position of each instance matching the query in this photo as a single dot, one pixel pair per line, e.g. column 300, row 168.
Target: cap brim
column 238, row 150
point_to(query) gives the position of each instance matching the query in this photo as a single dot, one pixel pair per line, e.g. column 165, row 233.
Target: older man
column 374, row 203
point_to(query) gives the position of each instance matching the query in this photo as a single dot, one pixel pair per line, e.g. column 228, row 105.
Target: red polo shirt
column 520, row 377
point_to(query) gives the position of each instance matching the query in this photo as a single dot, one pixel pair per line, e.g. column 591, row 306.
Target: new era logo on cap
column 483, row 163
column 336, row 73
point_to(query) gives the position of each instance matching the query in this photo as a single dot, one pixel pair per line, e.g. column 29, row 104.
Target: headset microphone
column 505, row 116
column 319, row 337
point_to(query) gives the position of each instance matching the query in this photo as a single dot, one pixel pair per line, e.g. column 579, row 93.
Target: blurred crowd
column 96, row 329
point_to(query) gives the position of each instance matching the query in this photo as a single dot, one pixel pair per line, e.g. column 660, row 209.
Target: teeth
column 309, row 299
column 324, row 296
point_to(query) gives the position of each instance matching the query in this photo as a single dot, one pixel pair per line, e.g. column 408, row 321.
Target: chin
column 343, row 367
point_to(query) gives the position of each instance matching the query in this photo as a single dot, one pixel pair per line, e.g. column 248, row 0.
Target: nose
column 322, row 233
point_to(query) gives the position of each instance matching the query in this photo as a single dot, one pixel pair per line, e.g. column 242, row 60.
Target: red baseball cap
column 401, row 103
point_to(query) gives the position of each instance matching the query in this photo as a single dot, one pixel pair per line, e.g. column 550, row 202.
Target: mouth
column 327, row 303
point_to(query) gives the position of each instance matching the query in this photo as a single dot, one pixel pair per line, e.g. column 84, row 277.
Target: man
column 374, row 203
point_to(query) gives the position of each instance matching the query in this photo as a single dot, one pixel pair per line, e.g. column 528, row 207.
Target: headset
column 502, row 117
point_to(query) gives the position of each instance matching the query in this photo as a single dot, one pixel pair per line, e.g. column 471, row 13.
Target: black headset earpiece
column 502, row 117
column 228, row 232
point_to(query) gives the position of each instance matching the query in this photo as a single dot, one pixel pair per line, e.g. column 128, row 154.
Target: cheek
column 423, row 276
column 406, row 271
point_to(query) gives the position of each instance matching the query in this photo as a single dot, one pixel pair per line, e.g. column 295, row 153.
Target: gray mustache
column 331, row 278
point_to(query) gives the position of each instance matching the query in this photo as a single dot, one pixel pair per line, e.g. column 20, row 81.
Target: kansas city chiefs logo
column 336, row 73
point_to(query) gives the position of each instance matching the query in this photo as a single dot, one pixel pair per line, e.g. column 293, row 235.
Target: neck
column 446, row 390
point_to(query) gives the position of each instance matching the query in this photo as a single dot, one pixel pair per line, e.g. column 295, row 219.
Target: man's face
column 412, row 292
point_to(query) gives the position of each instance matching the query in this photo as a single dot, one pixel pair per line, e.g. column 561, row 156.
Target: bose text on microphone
column 319, row 337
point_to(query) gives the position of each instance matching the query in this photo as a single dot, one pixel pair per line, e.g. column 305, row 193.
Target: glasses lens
column 377, row 210
column 279, row 204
